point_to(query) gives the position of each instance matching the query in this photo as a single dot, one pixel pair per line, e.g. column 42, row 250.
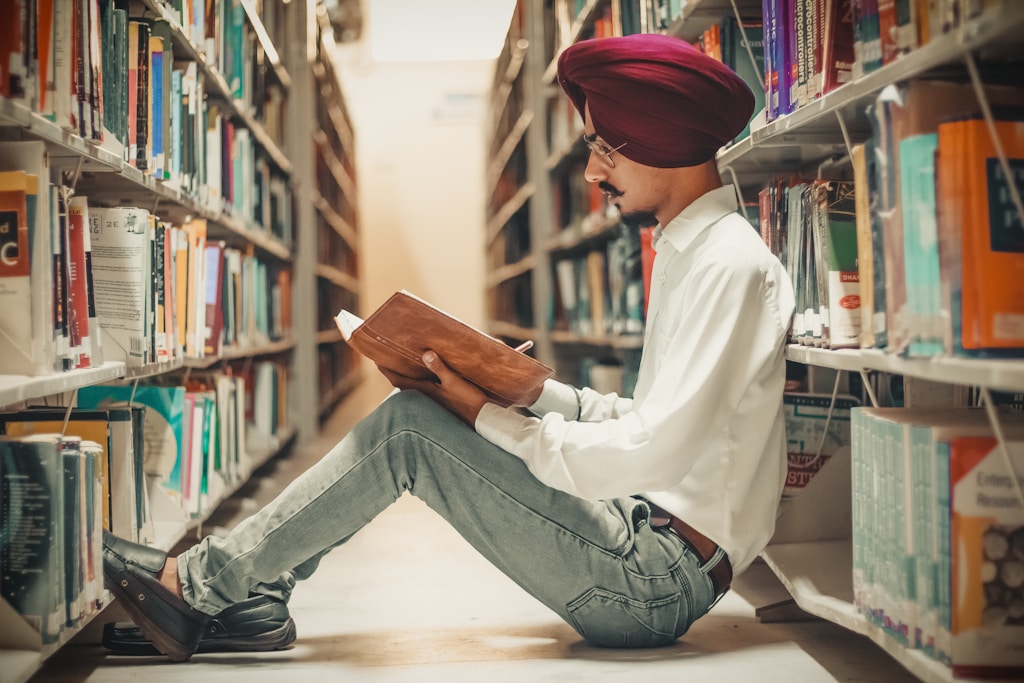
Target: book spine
column 143, row 104
column 78, row 311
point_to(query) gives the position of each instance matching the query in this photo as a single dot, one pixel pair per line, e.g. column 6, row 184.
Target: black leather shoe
column 257, row 624
column 130, row 573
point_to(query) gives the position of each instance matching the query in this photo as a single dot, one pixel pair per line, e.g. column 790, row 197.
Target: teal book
column 73, row 476
column 31, row 545
column 923, row 317
column 740, row 37
column 163, row 425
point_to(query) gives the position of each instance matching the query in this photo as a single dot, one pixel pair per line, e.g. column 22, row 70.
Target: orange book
column 888, row 30
column 195, row 301
column 180, row 286
column 284, row 283
column 985, row 520
column 993, row 239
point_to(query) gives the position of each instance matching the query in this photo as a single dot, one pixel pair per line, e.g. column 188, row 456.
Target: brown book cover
column 396, row 335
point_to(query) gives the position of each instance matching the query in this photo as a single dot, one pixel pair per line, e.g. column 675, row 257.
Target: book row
column 799, row 50
column 920, row 253
column 126, row 459
column 82, row 283
column 602, row 292
column 808, row 48
column 938, row 534
column 118, row 83
column 102, row 67
column 50, row 549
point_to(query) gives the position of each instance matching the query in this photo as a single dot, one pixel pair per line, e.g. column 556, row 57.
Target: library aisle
column 408, row 600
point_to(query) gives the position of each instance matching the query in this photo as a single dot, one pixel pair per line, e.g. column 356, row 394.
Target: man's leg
column 597, row 564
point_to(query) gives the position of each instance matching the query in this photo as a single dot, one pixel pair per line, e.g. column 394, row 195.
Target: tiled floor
column 384, row 608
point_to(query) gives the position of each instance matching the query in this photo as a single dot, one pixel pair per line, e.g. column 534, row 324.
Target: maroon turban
column 666, row 101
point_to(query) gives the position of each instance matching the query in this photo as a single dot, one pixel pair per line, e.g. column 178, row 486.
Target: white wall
column 420, row 165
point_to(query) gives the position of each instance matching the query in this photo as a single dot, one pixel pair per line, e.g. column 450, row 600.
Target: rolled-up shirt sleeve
column 701, row 369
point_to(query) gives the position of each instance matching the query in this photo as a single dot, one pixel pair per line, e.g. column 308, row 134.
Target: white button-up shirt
column 704, row 434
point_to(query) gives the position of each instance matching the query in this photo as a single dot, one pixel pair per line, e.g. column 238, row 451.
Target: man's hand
column 461, row 397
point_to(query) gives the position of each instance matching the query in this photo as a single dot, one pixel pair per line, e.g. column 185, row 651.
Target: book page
column 347, row 323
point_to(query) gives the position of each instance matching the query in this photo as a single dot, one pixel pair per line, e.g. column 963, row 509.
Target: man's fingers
column 435, row 364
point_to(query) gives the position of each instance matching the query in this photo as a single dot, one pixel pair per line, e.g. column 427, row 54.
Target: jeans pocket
column 608, row 619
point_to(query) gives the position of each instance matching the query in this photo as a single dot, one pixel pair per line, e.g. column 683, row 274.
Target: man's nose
column 595, row 171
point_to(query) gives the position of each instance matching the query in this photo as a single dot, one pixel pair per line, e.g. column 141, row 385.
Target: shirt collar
column 700, row 214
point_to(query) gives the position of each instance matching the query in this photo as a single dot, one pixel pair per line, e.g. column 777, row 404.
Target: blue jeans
column 598, row 564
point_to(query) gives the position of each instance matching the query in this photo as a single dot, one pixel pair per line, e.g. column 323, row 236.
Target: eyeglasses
column 602, row 148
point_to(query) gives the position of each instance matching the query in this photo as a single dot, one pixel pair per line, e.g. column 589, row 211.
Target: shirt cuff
column 556, row 397
column 503, row 427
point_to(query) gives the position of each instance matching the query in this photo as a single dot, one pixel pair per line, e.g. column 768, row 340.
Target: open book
column 396, row 335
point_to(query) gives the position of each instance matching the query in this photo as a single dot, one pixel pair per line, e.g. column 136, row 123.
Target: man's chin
column 639, row 219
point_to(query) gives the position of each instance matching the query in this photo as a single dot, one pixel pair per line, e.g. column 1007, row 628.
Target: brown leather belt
column 701, row 545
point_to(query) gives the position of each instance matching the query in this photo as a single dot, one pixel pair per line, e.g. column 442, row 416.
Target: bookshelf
column 281, row 196
column 538, row 215
column 337, row 223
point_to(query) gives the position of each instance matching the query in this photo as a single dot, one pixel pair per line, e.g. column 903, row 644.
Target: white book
column 123, row 491
column 120, row 241
column 63, row 62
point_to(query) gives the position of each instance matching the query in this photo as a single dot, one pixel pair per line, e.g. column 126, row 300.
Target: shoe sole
column 277, row 639
column 166, row 644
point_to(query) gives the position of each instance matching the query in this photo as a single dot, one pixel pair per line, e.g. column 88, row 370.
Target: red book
column 78, row 293
column 133, row 87
column 838, row 55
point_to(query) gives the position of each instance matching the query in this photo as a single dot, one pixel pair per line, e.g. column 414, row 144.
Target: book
column 923, row 319
column 73, row 472
column 165, row 407
column 986, row 527
column 900, row 111
column 88, row 425
column 213, row 305
column 396, row 335
column 31, row 547
column 836, row 219
column 992, row 289
column 865, row 255
column 77, row 282
column 124, row 491
column 119, row 243
column 32, row 157
column 15, row 275
column 837, row 52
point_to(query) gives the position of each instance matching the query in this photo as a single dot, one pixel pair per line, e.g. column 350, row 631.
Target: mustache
column 610, row 189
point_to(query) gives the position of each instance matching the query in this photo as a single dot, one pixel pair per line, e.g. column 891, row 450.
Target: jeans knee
column 408, row 409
